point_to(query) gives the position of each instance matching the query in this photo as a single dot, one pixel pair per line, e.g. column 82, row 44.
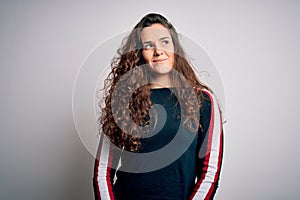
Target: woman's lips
column 159, row 60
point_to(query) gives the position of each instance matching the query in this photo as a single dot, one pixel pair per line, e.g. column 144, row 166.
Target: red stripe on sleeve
column 104, row 173
column 96, row 184
column 207, row 157
column 108, row 173
column 219, row 162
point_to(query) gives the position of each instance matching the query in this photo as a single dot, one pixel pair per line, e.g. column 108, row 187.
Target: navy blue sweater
column 194, row 163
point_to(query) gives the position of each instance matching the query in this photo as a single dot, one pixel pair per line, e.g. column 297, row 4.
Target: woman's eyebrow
column 163, row 38
column 147, row 42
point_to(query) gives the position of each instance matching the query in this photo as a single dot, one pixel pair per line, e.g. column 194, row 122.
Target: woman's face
column 158, row 49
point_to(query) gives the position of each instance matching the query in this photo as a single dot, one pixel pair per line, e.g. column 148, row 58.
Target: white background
column 254, row 45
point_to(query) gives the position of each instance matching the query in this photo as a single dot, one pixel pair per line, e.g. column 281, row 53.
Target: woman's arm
column 104, row 170
column 210, row 152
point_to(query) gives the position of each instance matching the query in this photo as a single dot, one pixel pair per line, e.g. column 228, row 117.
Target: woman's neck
column 162, row 81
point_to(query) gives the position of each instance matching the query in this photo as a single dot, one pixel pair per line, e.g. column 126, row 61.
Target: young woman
column 161, row 128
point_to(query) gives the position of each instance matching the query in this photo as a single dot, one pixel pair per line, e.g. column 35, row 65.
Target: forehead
column 154, row 32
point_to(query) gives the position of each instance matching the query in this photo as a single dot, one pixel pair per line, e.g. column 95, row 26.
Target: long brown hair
column 131, row 101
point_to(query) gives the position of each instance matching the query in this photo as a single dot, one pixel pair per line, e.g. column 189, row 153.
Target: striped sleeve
column 210, row 153
column 104, row 170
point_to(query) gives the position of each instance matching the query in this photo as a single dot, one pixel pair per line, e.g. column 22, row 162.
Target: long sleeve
column 104, row 170
column 210, row 152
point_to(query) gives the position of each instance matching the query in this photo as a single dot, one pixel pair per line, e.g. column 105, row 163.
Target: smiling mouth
column 159, row 60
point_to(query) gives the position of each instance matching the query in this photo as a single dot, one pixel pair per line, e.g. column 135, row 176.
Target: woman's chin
column 161, row 69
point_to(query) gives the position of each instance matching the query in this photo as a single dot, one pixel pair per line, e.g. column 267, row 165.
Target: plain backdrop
column 254, row 45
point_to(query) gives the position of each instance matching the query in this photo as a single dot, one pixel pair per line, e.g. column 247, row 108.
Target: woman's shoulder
column 207, row 95
column 209, row 103
column 208, row 100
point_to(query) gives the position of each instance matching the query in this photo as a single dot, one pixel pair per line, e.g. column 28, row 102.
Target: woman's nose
column 157, row 51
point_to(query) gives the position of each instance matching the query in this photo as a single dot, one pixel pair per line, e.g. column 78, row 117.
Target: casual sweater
column 194, row 159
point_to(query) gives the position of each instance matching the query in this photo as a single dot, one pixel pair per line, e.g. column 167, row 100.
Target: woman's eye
column 148, row 46
column 164, row 42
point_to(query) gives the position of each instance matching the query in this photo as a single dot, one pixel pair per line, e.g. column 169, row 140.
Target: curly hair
column 125, row 115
